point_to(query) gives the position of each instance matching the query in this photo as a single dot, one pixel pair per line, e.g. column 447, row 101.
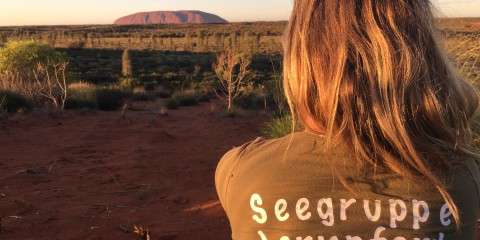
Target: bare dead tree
column 232, row 70
column 51, row 80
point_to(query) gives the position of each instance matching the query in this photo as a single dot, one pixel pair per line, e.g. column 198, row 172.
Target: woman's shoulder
column 227, row 164
column 294, row 142
column 261, row 149
column 230, row 158
column 233, row 154
column 255, row 153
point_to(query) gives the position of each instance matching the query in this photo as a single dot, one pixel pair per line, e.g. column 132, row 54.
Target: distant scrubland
column 175, row 61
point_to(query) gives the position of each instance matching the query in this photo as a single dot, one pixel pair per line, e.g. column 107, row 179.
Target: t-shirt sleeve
column 473, row 167
column 225, row 167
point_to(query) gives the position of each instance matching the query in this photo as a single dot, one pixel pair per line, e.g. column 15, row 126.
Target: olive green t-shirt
column 285, row 189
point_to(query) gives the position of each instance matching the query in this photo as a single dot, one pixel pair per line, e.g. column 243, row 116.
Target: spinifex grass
column 82, row 95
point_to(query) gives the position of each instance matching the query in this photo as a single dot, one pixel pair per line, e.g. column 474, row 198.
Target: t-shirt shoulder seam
column 246, row 148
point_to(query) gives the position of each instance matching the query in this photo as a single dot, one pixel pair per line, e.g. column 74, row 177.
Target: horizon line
column 229, row 22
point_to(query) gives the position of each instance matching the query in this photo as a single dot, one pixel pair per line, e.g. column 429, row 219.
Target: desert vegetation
column 232, row 70
column 35, row 71
column 184, row 63
column 261, row 37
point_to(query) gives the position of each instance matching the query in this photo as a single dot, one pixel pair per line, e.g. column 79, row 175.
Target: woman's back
column 370, row 77
column 270, row 195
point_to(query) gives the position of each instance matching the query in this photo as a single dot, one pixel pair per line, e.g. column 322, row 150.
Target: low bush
column 251, row 100
column 90, row 96
column 82, row 96
column 187, row 101
column 163, row 94
column 150, row 86
column 172, row 104
column 128, row 82
column 231, row 113
column 186, row 98
column 204, row 97
column 36, row 71
column 143, row 97
column 74, row 103
column 14, row 102
column 109, row 99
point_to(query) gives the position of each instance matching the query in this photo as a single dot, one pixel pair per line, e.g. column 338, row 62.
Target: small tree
column 232, row 70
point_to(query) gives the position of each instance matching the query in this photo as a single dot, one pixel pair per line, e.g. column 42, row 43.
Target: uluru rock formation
column 169, row 17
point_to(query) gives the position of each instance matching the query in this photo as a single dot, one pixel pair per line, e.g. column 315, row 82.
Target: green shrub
column 143, row 97
column 186, row 98
column 279, row 126
column 187, row 101
column 109, row 99
column 24, row 56
column 204, row 98
column 275, row 97
column 86, row 95
column 34, row 70
column 172, row 104
column 150, row 86
column 128, row 82
column 14, row 102
column 82, row 95
column 251, row 100
column 231, row 113
column 74, row 103
column 163, row 94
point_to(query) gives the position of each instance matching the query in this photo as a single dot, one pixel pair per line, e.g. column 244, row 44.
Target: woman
column 385, row 153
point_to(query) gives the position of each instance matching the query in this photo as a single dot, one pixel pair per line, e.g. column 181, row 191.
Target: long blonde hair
column 370, row 73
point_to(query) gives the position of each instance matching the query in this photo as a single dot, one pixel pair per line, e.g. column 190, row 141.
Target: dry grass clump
column 82, row 91
column 138, row 90
column 280, row 126
column 466, row 54
column 82, row 95
column 186, row 98
column 14, row 102
column 468, row 62
column 81, row 86
column 464, row 50
column 476, row 131
column 90, row 96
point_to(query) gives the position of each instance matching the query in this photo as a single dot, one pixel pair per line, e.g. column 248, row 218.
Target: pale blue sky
column 57, row 12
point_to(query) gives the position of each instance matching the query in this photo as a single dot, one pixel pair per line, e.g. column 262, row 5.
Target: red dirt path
column 88, row 175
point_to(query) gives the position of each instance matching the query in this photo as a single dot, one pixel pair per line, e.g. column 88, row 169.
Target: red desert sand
column 94, row 175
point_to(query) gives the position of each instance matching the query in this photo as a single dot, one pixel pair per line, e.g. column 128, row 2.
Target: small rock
column 179, row 200
column 36, row 170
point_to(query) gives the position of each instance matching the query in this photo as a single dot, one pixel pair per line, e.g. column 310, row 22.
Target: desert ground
column 95, row 175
